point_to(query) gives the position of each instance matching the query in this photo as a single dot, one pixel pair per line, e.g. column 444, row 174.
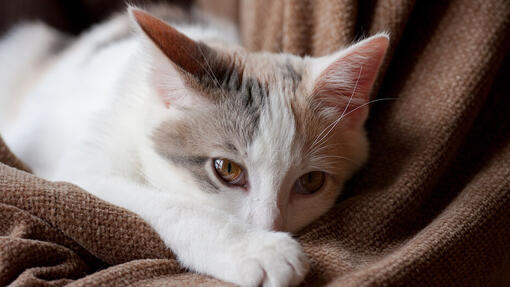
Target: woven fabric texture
column 431, row 208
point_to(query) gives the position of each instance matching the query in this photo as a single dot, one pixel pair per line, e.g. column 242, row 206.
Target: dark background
column 71, row 16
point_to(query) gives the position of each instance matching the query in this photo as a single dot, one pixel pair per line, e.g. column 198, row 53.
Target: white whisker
column 211, row 73
column 372, row 101
column 333, row 157
column 331, row 127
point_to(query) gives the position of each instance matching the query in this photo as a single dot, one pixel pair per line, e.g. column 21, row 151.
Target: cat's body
column 141, row 119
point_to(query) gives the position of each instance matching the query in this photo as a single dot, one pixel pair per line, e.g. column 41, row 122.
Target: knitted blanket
column 431, row 208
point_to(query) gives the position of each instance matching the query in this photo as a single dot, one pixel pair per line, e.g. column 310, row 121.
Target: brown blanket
column 432, row 207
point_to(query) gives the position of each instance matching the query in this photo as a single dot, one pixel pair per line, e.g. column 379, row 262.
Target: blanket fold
column 431, row 208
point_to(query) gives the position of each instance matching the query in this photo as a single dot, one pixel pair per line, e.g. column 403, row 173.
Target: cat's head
column 271, row 138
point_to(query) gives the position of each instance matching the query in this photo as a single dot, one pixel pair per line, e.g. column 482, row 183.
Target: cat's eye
column 230, row 172
column 310, row 183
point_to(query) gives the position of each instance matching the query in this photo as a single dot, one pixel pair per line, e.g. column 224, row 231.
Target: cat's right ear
column 343, row 80
column 175, row 57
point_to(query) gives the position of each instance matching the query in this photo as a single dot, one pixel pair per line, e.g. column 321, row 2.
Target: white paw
column 267, row 259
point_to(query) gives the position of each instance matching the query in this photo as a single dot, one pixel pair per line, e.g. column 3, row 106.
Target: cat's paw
column 268, row 259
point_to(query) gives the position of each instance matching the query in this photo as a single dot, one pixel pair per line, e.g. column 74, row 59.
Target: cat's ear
column 187, row 58
column 184, row 52
column 343, row 80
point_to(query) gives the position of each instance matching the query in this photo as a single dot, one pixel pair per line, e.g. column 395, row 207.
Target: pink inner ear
column 157, row 80
column 186, row 56
column 346, row 83
column 171, row 88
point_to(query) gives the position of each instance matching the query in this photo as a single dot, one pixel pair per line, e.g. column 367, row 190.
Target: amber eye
column 229, row 171
column 310, row 182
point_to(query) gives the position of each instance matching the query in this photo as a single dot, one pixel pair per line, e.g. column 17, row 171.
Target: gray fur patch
column 231, row 123
column 197, row 167
column 290, row 74
column 233, row 92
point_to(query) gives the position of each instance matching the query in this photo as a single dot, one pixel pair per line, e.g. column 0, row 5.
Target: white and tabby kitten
column 223, row 151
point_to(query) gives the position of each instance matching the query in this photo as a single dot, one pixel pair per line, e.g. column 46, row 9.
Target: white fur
column 87, row 113
column 88, row 120
column 21, row 60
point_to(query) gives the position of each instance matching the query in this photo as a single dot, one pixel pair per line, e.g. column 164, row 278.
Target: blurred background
column 74, row 16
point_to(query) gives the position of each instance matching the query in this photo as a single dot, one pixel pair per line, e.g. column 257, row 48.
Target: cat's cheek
column 303, row 209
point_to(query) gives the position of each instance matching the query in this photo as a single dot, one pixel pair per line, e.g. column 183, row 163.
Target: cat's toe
column 269, row 259
column 283, row 261
column 247, row 274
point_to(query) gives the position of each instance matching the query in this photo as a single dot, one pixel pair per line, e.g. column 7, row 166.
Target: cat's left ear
column 175, row 57
column 343, row 80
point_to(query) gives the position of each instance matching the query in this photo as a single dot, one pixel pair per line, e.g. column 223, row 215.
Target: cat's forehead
column 273, row 69
column 268, row 69
column 249, row 85
column 245, row 88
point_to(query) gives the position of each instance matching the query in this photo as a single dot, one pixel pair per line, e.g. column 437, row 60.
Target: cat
column 223, row 151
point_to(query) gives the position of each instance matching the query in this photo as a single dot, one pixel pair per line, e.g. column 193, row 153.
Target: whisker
column 371, row 102
column 336, row 121
column 208, row 71
column 322, row 147
column 321, row 158
column 345, row 109
column 211, row 74
column 353, row 92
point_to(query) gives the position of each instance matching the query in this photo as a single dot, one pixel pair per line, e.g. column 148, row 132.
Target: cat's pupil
column 311, row 182
column 229, row 167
